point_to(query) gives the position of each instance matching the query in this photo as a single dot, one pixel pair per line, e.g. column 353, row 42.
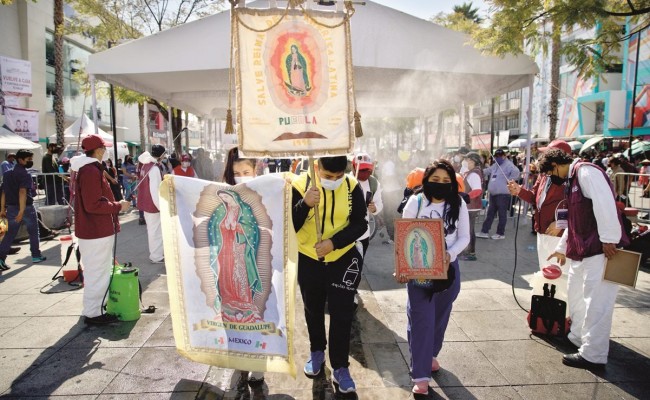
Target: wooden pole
column 312, row 173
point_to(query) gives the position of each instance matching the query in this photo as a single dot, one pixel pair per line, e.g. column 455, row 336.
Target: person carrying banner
column 238, row 170
column 96, row 223
column 594, row 230
column 329, row 270
column 17, row 205
column 148, row 200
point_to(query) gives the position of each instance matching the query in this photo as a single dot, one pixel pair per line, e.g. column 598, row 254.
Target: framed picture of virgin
column 420, row 248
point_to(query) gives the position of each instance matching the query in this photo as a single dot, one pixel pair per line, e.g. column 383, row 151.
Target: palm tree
column 468, row 11
column 59, row 111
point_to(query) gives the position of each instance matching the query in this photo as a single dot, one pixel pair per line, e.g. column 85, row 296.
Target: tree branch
column 630, row 13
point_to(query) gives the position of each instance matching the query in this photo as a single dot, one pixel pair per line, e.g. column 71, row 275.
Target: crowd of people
column 452, row 188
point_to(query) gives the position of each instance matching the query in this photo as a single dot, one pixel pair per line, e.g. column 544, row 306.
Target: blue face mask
column 500, row 160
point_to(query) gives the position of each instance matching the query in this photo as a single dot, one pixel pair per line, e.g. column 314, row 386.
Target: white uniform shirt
column 595, row 187
column 376, row 198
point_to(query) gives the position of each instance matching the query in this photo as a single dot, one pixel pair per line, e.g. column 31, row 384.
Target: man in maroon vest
column 148, row 200
column 594, row 229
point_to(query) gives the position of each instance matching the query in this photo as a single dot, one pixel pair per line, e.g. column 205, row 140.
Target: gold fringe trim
column 230, row 129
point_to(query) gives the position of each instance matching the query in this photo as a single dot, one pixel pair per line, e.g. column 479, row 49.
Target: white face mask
column 457, row 159
column 185, row 164
column 464, row 164
column 243, row 179
column 331, row 185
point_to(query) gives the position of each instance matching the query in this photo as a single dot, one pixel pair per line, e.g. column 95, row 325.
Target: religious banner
column 15, row 76
column 230, row 254
column 23, row 122
column 293, row 74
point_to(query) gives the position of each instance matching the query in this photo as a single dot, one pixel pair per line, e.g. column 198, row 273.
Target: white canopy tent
column 86, row 126
column 9, row 141
column 404, row 66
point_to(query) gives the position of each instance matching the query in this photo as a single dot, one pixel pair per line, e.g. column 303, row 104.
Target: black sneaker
column 104, row 319
column 141, row 221
column 3, row 265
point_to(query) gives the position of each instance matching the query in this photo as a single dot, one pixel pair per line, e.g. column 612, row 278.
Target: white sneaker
column 482, row 235
column 496, row 236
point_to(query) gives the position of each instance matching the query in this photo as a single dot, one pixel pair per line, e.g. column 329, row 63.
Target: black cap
column 463, row 150
column 157, row 150
column 499, row 152
column 474, row 157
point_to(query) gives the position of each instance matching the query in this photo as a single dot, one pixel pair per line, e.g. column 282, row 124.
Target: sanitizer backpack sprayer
column 124, row 293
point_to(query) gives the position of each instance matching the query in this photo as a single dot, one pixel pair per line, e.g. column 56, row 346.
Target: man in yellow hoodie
column 329, row 270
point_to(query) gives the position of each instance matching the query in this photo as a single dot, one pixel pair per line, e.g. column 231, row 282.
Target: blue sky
column 428, row 8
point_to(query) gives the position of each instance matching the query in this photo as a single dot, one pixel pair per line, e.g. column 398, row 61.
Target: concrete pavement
column 47, row 352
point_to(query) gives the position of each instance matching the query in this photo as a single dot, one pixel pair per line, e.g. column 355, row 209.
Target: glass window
column 75, row 100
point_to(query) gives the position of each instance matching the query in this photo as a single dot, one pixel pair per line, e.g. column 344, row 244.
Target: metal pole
column 169, row 128
column 93, row 96
column 113, row 123
column 636, row 74
column 491, row 127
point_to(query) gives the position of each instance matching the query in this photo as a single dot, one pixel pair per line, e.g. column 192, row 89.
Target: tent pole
column 169, row 129
column 529, row 138
column 145, row 145
column 94, row 102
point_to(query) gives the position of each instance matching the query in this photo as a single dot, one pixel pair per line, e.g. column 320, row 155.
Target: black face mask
column 556, row 180
column 436, row 190
column 29, row 164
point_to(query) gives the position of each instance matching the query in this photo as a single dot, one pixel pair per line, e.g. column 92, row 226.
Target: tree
column 59, row 110
column 522, row 26
column 131, row 19
column 468, row 11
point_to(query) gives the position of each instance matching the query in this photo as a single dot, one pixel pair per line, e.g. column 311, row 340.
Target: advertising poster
column 15, row 76
column 23, row 122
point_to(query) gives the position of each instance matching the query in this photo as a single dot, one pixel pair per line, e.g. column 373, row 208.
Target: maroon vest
column 583, row 240
column 475, row 203
column 145, row 202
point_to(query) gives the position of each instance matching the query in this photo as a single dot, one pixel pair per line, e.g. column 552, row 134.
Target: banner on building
column 7, row 101
column 23, row 122
column 15, row 76
column 293, row 82
column 230, row 254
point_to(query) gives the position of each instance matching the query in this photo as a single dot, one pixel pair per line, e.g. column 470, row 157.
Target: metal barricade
column 633, row 192
column 51, row 188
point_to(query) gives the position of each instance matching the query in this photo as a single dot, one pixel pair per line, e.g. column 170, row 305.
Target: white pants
column 97, row 259
column 591, row 305
column 154, row 234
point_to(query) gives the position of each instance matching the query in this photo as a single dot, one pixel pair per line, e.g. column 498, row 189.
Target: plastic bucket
column 124, row 294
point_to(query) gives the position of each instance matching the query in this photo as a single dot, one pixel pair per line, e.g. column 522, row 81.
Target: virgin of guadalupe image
column 296, row 65
column 418, row 249
column 234, row 237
